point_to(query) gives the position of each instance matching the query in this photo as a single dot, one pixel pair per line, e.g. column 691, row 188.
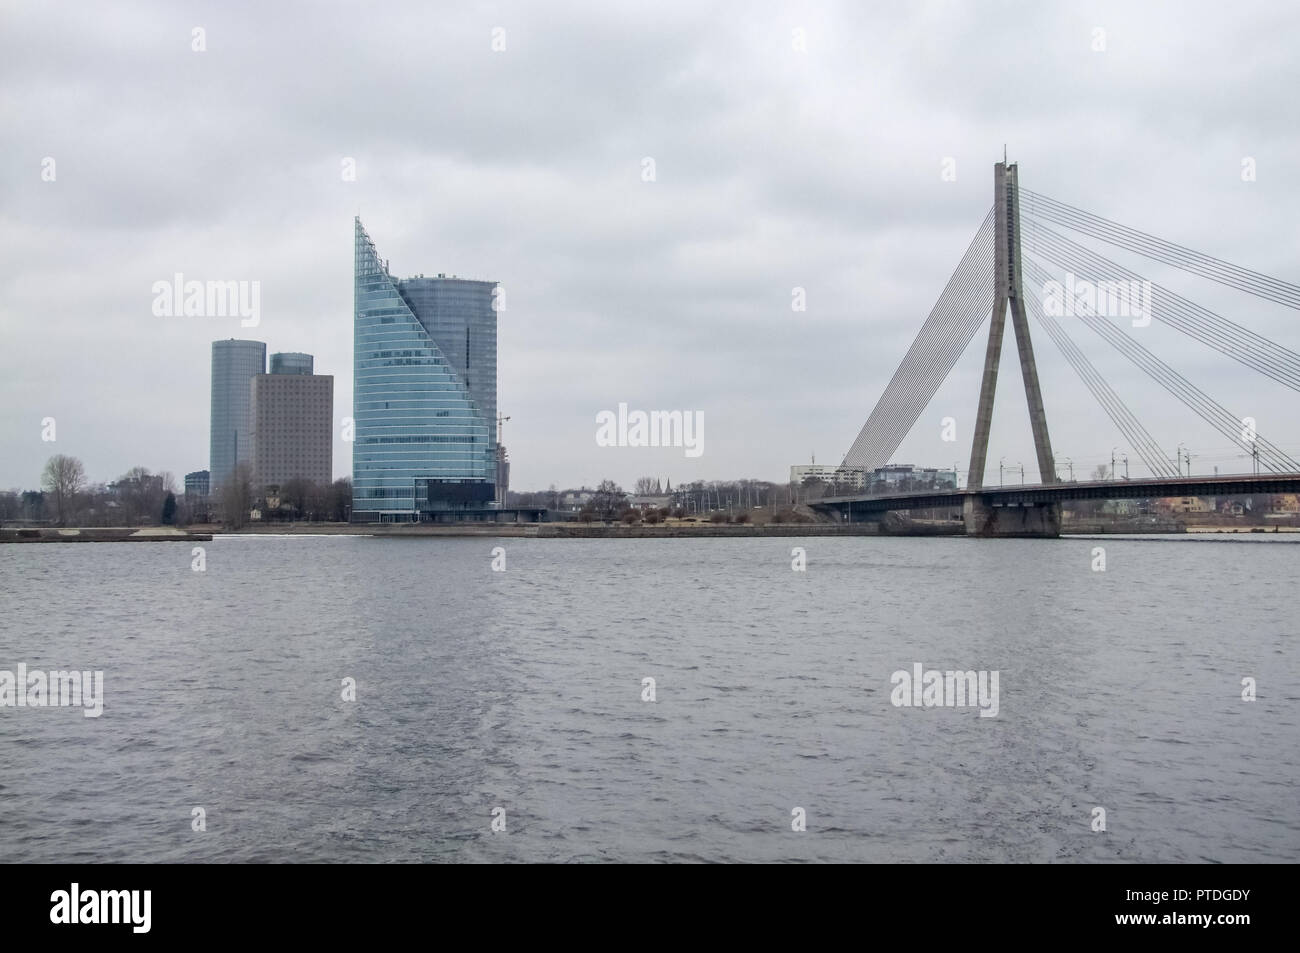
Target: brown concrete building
column 293, row 428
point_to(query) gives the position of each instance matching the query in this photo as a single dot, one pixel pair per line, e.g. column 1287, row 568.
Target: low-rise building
column 840, row 476
column 571, row 501
column 643, row 503
column 901, row 477
column 1284, row 503
column 1184, row 504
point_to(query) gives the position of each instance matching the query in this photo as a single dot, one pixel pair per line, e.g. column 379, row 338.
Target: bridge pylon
column 989, row 277
column 1009, row 292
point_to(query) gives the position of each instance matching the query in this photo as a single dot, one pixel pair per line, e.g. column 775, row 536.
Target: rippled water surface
column 522, row 690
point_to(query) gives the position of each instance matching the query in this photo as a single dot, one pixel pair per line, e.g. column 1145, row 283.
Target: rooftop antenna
column 1004, row 153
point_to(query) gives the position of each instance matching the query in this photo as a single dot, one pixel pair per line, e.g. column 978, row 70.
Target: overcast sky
column 775, row 168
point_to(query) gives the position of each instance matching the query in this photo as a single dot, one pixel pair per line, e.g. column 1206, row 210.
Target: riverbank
column 1128, row 528
column 554, row 530
column 674, row 530
column 102, row 534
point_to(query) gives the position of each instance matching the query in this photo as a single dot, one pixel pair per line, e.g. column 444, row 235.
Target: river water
column 517, row 696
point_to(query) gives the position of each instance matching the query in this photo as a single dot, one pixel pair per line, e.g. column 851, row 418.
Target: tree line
column 142, row 498
column 66, row 498
column 296, row 500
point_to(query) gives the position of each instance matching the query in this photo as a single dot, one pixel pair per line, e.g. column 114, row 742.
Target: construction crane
column 500, row 420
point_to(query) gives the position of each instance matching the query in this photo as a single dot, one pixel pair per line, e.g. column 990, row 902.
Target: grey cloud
column 775, row 169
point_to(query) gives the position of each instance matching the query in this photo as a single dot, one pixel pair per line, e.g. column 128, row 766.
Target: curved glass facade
column 424, row 392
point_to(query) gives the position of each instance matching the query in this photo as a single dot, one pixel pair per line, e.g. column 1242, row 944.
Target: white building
column 841, row 476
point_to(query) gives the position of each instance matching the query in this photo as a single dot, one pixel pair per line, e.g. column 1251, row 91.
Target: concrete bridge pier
column 1029, row 520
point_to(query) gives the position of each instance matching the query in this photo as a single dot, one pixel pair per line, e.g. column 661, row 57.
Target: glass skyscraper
column 234, row 365
column 424, row 393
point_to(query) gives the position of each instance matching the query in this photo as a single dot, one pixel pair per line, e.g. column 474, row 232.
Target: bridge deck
column 1227, row 485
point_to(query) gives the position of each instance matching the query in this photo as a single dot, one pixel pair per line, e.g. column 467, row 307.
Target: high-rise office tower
column 293, row 423
column 234, row 365
column 424, row 393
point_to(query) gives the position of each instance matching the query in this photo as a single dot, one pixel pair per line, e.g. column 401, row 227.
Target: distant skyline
column 792, row 148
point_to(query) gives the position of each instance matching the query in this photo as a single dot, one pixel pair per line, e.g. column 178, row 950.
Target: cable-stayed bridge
column 1029, row 235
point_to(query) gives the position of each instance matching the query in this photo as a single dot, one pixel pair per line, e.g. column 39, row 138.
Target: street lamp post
column 1112, row 462
column 1126, row 467
column 1000, row 462
column 1179, row 454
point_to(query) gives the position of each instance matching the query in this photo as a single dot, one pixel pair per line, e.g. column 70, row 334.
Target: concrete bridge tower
column 982, row 518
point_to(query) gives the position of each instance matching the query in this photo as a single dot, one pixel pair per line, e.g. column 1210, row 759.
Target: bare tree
column 608, row 501
column 814, row 489
column 63, row 478
column 134, row 475
column 340, row 500
column 317, row 502
column 293, row 496
column 645, row 486
column 141, row 494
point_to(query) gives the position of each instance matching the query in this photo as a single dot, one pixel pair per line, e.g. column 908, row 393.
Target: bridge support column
column 1009, row 290
column 1030, row 520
